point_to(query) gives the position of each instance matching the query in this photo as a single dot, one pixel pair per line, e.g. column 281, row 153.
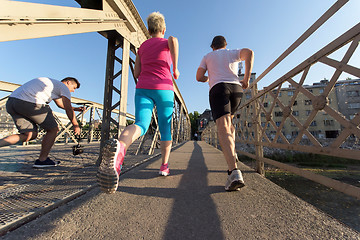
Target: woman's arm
column 137, row 68
column 174, row 51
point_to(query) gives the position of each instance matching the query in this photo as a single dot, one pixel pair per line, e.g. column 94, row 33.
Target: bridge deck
column 189, row 204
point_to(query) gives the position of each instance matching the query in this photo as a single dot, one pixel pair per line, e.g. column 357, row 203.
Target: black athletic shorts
column 28, row 115
column 224, row 99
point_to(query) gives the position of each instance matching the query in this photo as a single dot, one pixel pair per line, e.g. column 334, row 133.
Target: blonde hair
column 156, row 22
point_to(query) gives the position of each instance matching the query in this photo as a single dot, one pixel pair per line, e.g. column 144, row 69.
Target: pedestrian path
column 189, row 204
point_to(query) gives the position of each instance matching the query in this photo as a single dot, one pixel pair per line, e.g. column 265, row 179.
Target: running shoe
column 235, row 181
column 113, row 154
column 47, row 163
column 164, row 170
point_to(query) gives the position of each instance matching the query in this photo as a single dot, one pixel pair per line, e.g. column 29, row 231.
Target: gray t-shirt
column 41, row 90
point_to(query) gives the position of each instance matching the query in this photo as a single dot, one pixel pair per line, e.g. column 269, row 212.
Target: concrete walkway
column 189, row 204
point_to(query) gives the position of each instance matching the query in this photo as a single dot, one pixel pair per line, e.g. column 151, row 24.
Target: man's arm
column 65, row 103
column 174, row 52
column 247, row 55
column 200, row 75
column 60, row 104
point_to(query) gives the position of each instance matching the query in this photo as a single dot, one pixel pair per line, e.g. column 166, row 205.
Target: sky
column 266, row 27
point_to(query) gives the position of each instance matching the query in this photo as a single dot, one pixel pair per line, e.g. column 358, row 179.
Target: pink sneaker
column 113, row 154
column 164, row 170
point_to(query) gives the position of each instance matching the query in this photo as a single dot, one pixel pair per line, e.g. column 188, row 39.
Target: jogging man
column 225, row 97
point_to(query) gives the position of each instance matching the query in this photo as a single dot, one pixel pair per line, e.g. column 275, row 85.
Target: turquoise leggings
column 144, row 104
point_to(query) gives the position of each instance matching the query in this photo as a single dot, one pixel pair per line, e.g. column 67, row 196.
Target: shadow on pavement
column 194, row 212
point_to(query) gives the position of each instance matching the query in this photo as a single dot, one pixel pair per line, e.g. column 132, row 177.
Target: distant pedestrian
column 28, row 106
column 225, row 97
column 154, row 87
column 196, row 136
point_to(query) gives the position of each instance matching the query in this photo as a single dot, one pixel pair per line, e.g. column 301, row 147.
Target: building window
column 308, row 112
column 290, row 93
column 279, row 94
column 266, row 104
column 328, row 122
column 331, row 134
column 238, row 116
column 262, row 114
column 307, row 102
column 278, row 114
column 263, row 124
column 321, row 90
column 278, row 124
column 248, row 96
column 354, row 105
column 315, row 133
column 352, row 93
column 313, row 123
column 310, row 90
column 295, row 113
column 295, row 103
column 294, row 133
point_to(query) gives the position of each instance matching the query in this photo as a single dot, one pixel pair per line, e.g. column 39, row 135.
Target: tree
column 129, row 122
column 194, row 122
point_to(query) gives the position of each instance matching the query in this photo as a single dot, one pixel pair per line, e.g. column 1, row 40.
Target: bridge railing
column 304, row 118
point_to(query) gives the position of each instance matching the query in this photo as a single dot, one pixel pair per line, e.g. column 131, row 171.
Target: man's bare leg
column 226, row 139
column 15, row 138
column 47, row 143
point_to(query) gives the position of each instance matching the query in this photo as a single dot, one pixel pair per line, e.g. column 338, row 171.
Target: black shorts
column 224, row 99
column 28, row 115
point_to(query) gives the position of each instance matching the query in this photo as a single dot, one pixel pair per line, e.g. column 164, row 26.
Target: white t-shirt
column 222, row 66
column 41, row 90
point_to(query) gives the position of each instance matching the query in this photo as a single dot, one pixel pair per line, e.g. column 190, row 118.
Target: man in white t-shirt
column 28, row 106
column 225, row 97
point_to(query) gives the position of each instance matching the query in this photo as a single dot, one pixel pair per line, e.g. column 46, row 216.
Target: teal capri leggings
column 144, row 104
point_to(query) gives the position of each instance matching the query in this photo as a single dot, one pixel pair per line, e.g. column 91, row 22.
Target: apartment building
column 343, row 98
column 348, row 95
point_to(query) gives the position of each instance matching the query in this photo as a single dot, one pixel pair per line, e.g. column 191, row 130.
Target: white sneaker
column 234, row 181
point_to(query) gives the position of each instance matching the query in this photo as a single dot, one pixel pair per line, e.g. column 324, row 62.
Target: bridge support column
column 124, row 84
column 259, row 151
column 91, row 124
column 108, row 92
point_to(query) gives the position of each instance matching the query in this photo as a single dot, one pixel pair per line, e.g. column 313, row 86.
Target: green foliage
column 194, row 122
column 311, row 159
column 86, row 127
